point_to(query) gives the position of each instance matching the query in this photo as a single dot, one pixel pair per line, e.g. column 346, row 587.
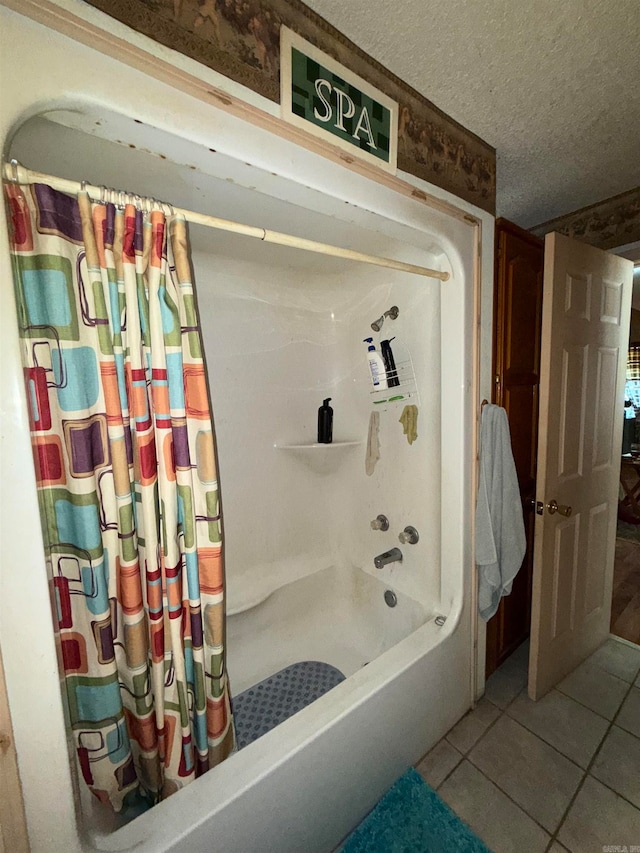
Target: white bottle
column 376, row 366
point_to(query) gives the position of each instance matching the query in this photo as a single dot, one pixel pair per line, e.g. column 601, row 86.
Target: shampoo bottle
column 325, row 423
column 389, row 363
column 376, row 366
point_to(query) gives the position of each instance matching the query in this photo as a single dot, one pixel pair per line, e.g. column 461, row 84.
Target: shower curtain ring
column 83, row 186
column 122, row 200
column 14, row 170
column 103, row 194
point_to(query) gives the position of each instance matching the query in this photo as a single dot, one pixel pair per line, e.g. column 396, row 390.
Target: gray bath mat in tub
column 267, row 704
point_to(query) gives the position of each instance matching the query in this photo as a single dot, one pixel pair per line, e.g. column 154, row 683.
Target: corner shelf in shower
column 321, row 458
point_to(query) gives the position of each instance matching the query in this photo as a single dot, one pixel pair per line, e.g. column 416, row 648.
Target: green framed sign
column 324, row 98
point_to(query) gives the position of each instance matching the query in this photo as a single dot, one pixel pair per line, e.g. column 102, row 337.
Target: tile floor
column 555, row 775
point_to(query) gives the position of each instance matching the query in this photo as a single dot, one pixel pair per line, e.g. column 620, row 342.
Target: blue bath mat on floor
column 262, row 707
column 411, row 818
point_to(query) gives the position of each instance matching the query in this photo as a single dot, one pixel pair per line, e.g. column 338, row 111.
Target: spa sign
column 323, row 97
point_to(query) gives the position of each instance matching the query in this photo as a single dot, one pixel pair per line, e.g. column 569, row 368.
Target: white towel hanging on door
column 500, row 537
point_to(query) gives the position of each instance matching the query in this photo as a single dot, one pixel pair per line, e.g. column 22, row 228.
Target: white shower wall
column 279, row 340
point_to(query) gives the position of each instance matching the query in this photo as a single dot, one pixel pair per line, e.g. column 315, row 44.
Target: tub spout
column 392, row 556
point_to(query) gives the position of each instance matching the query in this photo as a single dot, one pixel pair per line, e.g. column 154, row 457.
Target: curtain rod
column 13, row 172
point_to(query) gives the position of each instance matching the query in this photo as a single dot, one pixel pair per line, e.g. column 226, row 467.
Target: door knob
column 561, row 509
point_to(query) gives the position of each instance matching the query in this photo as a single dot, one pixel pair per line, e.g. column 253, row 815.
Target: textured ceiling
column 554, row 85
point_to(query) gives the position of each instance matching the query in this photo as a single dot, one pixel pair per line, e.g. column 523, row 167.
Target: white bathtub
column 303, row 786
column 337, row 615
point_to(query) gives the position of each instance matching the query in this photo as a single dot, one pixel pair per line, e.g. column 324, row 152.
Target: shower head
column 392, row 313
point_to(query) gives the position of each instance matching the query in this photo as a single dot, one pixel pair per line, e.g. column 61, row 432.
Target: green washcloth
column 409, row 421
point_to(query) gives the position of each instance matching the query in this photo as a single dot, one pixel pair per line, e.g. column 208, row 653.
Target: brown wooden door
column 516, row 362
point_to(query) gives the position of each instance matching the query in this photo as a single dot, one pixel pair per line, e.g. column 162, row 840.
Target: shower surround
column 282, row 330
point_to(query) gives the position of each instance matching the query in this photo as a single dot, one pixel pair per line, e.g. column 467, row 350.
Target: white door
column 585, row 334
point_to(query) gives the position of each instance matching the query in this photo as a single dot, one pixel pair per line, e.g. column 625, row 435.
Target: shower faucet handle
column 381, row 522
column 409, row 535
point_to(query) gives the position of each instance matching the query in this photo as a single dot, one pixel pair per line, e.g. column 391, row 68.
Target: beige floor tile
column 437, row 764
column 599, row 818
column 596, row 688
column 556, row 847
column 629, row 716
column 505, row 683
column 501, row 824
column 618, row 765
column 619, row 659
column 574, row 730
column 473, row 725
column 534, row 774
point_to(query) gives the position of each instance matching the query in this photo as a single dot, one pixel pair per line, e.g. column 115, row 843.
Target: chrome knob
column 554, row 507
column 381, row 522
column 409, row 536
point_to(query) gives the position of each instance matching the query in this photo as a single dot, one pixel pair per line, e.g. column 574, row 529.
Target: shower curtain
column 127, row 485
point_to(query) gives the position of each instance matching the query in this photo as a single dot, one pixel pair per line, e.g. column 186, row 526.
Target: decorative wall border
column 607, row 224
column 241, row 39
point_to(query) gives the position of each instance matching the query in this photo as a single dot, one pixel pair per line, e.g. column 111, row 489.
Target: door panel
column 517, row 324
column 605, row 407
column 572, row 407
column 585, row 327
column 524, row 272
column 597, row 555
column 565, row 568
column 521, row 404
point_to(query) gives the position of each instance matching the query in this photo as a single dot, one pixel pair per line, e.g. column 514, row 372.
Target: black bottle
column 389, row 363
column 325, row 423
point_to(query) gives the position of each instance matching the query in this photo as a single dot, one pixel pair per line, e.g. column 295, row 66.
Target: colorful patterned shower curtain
column 127, row 484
